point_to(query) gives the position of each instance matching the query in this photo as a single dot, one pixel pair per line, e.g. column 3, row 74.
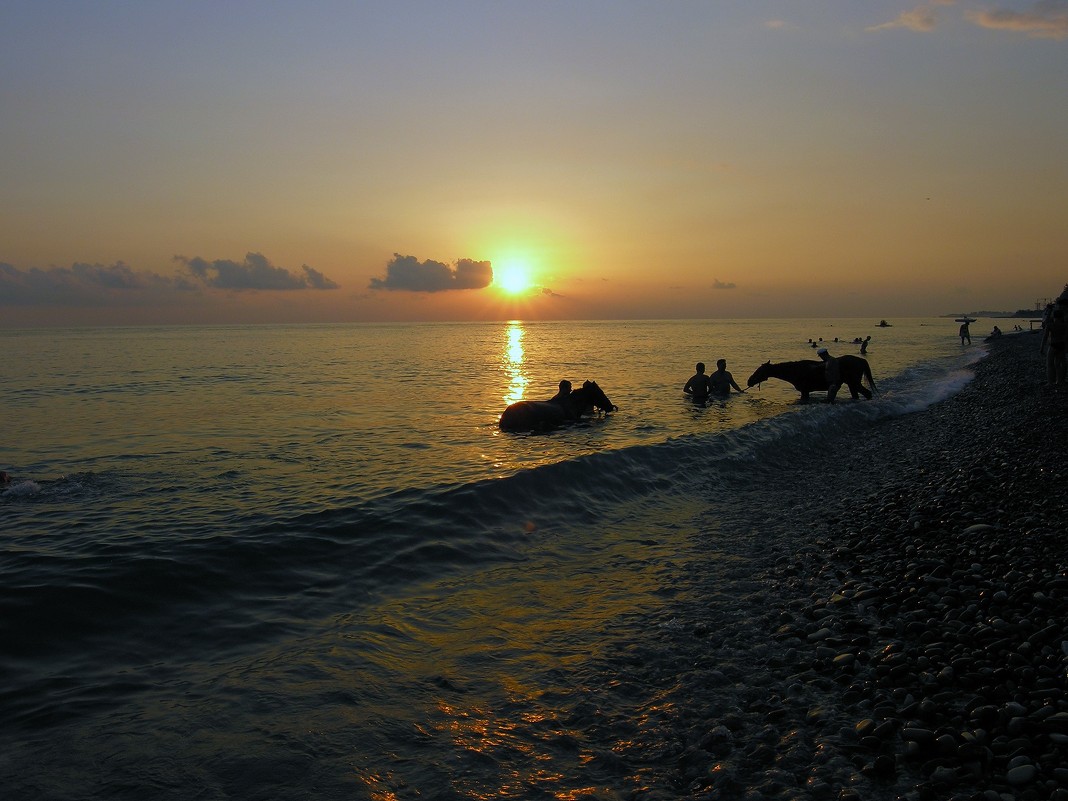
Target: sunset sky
column 207, row 162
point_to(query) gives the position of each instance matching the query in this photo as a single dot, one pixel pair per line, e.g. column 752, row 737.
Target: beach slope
column 913, row 640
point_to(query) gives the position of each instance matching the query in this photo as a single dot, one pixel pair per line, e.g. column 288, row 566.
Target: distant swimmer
column 864, row 344
column 698, row 386
column 720, row 382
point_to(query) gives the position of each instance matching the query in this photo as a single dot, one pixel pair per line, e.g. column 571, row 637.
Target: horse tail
column 867, row 374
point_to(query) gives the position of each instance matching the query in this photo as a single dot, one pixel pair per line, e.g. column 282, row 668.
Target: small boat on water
column 884, row 324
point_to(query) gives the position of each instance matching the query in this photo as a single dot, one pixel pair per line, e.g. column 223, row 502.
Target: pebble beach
column 909, row 639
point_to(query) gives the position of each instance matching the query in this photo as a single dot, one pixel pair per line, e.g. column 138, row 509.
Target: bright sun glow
column 512, row 276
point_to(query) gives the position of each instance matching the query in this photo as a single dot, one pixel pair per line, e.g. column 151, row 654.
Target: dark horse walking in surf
column 533, row 415
column 811, row 376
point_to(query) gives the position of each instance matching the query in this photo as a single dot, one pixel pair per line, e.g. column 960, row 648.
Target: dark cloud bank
column 409, row 274
column 255, row 272
column 84, row 284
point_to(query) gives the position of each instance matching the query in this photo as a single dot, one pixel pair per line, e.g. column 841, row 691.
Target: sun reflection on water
column 513, row 362
column 506, row 760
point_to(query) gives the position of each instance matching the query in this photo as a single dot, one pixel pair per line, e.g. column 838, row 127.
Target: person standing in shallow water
column 698, row 386
column 720, row 382
column 965, row 333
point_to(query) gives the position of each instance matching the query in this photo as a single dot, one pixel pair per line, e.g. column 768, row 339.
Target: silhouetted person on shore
column 698, row 386
column 1054, row 341
column 965, row 333
column 720, row 382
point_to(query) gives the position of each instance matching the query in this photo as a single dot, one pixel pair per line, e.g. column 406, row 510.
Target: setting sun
column 512, row 277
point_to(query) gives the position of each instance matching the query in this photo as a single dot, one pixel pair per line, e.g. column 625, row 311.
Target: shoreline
column 909, row 638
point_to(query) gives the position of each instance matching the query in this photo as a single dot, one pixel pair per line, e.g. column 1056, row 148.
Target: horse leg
column 863, row 391
column 832, row 391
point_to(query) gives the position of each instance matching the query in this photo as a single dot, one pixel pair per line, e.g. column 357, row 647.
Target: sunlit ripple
column 513, row 363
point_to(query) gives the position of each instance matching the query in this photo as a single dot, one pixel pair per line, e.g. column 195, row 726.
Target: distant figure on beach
column 834, row 373
column 721, row 381
column 864, row 344
column 996, row 332
column 562, row 393
column 698, row 386
column 1054, row 340
column 965, row 333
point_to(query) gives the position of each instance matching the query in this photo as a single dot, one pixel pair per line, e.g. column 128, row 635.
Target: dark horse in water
column 811, row 376
column 532, row 415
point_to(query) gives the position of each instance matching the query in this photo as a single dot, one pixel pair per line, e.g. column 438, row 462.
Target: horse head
column 593, row 395
column 762, row 374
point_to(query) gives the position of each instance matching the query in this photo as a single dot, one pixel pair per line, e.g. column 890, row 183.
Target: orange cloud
column 1046, row 20
column 922, row 19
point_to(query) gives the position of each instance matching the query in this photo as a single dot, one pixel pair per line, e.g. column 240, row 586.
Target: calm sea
column 279, row 562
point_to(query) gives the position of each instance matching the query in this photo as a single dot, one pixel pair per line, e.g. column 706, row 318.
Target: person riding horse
column 533, row 415
column 833, row 372
column 563, row 393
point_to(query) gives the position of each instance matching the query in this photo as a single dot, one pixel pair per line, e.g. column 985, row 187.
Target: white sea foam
column 21, row 489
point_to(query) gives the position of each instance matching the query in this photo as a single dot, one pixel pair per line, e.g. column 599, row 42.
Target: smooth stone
column 1021, row 774
column 885, row 729
column 822, row 634
column 947, row 744
column 845, row 661
column 919, row 736
column 865, row 727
